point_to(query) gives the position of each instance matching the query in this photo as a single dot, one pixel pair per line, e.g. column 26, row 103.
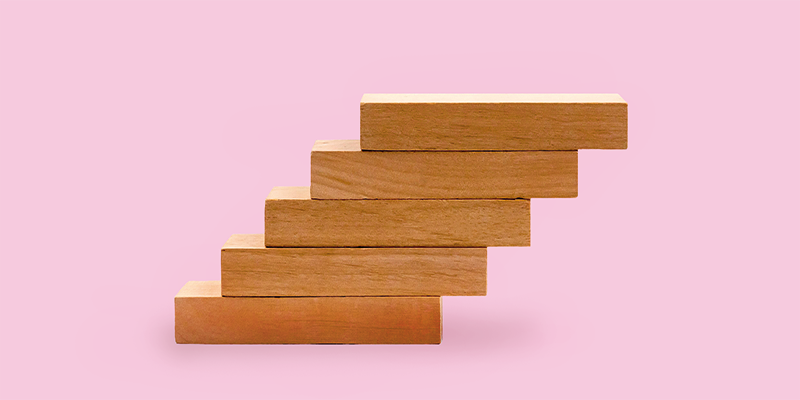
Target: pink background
column 137, row 136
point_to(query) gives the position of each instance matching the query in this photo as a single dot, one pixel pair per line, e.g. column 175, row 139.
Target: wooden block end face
column 353, row 271
column 307, row 320
column 624, row 127
column 605, row 126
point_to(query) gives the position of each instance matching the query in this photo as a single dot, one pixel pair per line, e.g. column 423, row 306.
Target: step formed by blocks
column 293, row 219
column 398, row 219
column 203, row 316
column 464, row 122
column 340, row 170
column 250, row 269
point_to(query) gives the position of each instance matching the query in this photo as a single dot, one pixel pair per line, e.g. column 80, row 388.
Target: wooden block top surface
column 475, row 98
column 244, row 242
column 337, row 145
column 290, row 193
column 200, row 289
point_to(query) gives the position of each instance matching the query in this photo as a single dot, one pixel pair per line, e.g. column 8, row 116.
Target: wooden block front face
column 340, row 170
column 250, row 269
column 292, row 219
column 203, row 316
column 464, row 122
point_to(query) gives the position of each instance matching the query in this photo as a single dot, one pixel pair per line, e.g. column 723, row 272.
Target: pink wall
column 136, row 136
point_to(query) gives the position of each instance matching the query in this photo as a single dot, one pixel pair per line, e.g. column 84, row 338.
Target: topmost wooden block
column 461, row 122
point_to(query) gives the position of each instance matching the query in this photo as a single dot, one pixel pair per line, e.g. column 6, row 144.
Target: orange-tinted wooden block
column 340, row 170
column 292, row 219
column 203, row 316
column 493, row 122
column 250, row 269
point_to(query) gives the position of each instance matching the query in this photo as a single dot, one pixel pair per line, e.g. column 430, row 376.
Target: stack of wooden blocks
column 398, row 219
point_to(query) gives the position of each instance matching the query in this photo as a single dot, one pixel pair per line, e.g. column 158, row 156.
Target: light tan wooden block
column 493, row 122
column 250, row 269
column 340, row 170
column 292, row 219
column 203, row 316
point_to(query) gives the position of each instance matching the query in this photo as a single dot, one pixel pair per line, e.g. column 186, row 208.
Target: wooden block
column 292, row 219
column 250, row 269
column 340, row 170
column 493, row 122
column 203, row 316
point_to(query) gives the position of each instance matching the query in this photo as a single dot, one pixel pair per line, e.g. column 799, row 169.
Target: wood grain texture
column 461, row 122
column 340, row 170
column 203, row 316
column 250, row 269
column 292, row 219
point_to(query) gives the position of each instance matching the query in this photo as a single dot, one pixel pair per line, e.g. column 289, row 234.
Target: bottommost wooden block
column 203, row 316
